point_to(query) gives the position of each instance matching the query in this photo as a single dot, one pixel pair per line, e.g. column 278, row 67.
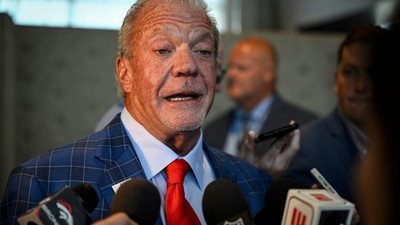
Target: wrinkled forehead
column 164, row 17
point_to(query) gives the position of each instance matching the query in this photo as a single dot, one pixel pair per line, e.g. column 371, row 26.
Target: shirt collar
column 262, row 109
column 155, row 155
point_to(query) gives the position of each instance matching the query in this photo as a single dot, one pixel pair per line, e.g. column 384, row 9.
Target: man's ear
column 123, row 72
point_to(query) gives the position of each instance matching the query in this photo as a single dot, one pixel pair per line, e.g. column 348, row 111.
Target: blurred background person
column 251, row 83
column 378, row 177
column 336, row 143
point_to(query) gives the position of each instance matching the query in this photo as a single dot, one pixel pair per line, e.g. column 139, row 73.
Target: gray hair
column 128, row 29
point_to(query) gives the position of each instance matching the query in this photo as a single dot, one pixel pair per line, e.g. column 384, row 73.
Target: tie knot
column 176, row 171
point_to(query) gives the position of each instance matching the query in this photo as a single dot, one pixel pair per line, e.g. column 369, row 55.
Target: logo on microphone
column 236, row 222
column 65, row 211
column 299, row 212
column 321, row 197
column 298, row 218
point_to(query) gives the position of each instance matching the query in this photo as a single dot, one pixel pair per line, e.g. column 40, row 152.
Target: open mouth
column 181, row 97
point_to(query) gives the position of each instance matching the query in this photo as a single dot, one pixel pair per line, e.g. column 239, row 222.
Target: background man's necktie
column 178, row 209
column 245, row 119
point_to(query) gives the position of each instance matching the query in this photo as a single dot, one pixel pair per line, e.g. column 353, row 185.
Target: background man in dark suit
column 336, row 143
column 251, row 81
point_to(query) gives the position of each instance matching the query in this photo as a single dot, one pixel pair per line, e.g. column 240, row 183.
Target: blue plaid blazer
column 103, row 159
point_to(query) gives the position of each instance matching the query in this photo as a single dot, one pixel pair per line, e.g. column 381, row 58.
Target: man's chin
column 186, row 127
column 184, row 123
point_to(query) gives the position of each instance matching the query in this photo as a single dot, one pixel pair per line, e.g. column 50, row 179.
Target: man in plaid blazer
column 102, row 160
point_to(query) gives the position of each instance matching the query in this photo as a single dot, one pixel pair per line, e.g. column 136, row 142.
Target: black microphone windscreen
column 139, row 199
column 88, row 195
column 223, row 200
column 69, row 205
column 275, row 200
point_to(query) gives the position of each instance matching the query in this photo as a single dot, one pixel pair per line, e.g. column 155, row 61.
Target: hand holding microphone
column 280, row 153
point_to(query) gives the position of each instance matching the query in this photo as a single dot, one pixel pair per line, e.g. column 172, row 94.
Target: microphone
column 139, row 199
column 67, row 206
column 274, row 201
column 316, row 207
column 290, row 202
column 224, row 203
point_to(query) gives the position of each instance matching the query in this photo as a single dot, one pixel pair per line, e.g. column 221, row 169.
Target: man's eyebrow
column 204, row 36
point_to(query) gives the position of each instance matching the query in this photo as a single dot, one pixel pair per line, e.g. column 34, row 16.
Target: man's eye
column 241, row 68
column 348, row 72
column 162, row 51
column 204, row 52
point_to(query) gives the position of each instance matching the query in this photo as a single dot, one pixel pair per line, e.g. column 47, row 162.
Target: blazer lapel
column 341, row 140
column 120, row 159
column 218, row 164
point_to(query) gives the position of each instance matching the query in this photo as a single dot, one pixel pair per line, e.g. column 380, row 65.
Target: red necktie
column 178, row 209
